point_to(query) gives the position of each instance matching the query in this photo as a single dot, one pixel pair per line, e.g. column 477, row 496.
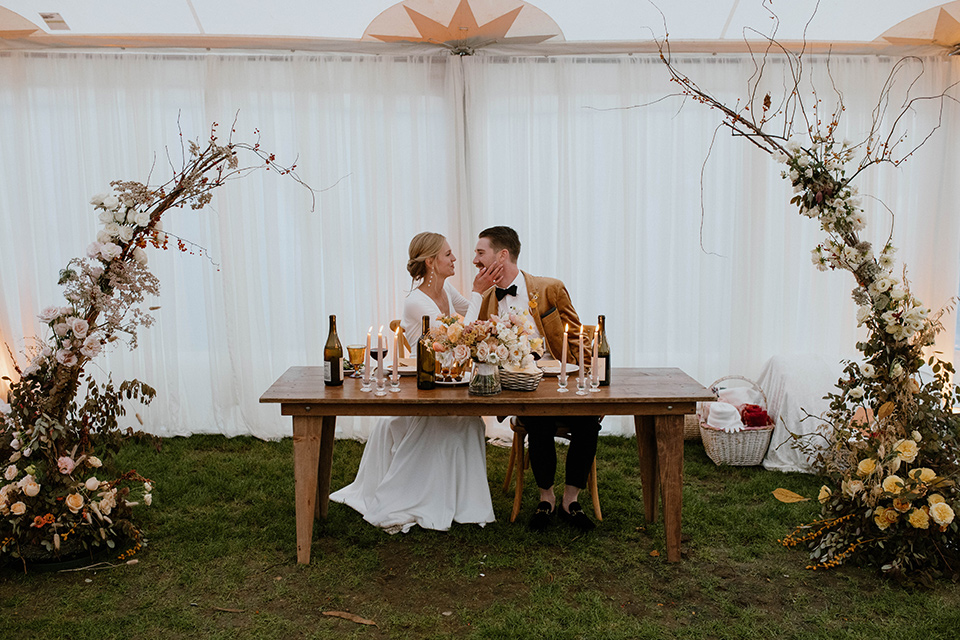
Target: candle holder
column 366, row 385
column 594, row 384
column 395, row 385
column 381, row 387
column 562, row 384
column 581, row 386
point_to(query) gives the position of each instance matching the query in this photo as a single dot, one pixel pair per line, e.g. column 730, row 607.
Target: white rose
column 31, row 487
column 98, row 199
column 109, row 251
column 103, row 237
column 112, row 228
column 11, row 472
column 868, row 370
column 896, row 370
column 148, row 499
column 863, row 314
column 125, row 234
column 18, row 508
column 856, row 393
column 92, row 483
column 140, row 256
column 91, row 346
column 15, row 444
column 120, row 215
column 147, row 487
column 916, row 436
column 93, row 461
column 61, row 329
column 105, row 217
column 898, row 292
column 93, row 249
column 142, row 219
column 49, row 314
column 111, row 202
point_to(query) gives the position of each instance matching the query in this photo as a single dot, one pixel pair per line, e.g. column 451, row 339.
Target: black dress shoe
column 576, row 518
column 542, row 517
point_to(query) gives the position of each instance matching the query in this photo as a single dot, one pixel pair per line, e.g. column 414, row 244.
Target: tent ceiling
column 289, row 24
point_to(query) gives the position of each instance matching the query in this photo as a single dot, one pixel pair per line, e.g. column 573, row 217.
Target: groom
column 549, row 305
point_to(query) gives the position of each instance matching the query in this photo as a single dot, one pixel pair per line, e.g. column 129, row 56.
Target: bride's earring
column 430, row 281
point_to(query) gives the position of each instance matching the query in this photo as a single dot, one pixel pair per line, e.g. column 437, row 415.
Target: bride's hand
column 487, row 277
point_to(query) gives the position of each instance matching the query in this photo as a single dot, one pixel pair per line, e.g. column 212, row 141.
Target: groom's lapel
column 536, row 297
column 493, row 306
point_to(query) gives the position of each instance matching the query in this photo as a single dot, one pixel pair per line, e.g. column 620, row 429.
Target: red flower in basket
column 755, row 416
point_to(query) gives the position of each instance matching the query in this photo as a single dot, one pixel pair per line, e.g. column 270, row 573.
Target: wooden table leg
column 325, row 467
column 669, row 437
column 306, row 458
column 649, row 474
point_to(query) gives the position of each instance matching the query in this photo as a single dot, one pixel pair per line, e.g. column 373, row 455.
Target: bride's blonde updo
column 424, row 245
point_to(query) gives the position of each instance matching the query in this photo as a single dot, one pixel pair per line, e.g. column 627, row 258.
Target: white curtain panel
column 711, row 274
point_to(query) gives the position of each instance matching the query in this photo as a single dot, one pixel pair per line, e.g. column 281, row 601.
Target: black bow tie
column 509, row 291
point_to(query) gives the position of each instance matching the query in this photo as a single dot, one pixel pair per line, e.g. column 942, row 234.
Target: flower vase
column 485, row 380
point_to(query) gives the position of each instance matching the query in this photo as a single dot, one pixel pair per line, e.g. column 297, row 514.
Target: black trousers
column 541, row 431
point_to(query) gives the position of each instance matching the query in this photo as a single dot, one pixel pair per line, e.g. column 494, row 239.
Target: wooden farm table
column 657, row 398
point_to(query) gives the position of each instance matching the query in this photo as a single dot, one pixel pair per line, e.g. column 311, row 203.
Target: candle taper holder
column 581, row 386
column 562, row 384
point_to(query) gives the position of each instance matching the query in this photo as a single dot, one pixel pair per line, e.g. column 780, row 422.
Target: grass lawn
column 221, row 563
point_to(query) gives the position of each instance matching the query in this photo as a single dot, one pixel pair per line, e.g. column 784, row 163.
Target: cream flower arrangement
column 503, row 342
column 60, row 494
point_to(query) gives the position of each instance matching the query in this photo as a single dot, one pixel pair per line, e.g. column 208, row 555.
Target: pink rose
column 66, row 465
column 79, row 326
column 61, row 329
column 66, row 358
column 49, row 314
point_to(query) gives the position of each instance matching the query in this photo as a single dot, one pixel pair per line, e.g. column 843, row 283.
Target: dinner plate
column 455, row 383
column 408, row 366
column 552, row 367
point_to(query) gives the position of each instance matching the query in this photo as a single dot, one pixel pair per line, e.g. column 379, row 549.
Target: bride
column 425, row 470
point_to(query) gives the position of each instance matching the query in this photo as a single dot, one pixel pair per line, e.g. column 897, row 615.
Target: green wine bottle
column 426, row 360
column 333, row 357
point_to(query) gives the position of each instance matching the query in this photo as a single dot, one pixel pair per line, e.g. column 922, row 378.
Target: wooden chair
column 403, row 338
column 520, row 460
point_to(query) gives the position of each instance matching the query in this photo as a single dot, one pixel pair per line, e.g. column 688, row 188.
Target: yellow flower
column 923, row 475
column 906, row 450
column 825, row 494
column 893, row 484
column 919, row 519
column 942, row 513
column 884, row 517
column 866, row 467
column 533, row 300
column 935, row 498
column 901, row 505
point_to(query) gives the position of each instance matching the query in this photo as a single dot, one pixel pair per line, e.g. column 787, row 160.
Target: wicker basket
column 691, row 427
column 519, row 380
column 742, row 449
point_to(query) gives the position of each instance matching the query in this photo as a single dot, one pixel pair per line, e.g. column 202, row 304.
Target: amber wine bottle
column 426, row 360
column 333, row 357
column 603, row 353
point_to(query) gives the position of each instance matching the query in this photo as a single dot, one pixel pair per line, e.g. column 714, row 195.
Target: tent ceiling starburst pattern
column 454, row 24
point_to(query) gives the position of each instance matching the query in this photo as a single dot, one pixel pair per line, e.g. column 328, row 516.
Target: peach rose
column 884, row 517
column 866, row 467
column 906, row 450
column 919, row 519
column 923, row 475
column 942, row 513
column 31, row 487
column 934, row 498
column 902, row 505
column 825, row 494
column 851, row 487
column 18, row 508
column 893, row 484
column 74, row 502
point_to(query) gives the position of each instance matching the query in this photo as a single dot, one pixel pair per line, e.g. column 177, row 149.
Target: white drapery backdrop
column 604, row 196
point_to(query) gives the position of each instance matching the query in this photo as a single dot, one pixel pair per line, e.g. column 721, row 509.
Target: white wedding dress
column 425, row 470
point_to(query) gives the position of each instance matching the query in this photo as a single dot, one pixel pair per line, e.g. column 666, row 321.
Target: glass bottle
column 333, row 357
column 603, row 353
column 426, row 360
